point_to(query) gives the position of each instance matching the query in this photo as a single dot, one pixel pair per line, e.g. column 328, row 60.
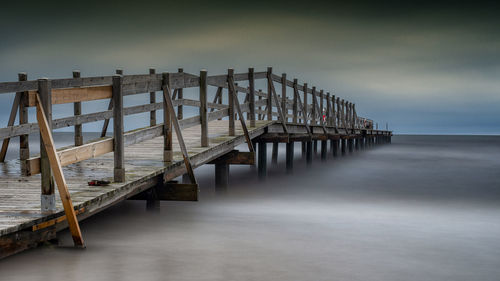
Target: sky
column 423, row 68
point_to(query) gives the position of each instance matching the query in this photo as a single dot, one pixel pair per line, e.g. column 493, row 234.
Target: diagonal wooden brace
column 238, row 109
column 50, row 148
column 296, row 92
column 278, row 106
column 175, row 121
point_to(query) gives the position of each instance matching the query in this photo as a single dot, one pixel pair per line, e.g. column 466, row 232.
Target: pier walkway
column 141, row 164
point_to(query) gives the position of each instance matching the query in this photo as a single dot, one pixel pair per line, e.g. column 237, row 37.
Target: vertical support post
column 77, row 110
column 180, row 96
column 343, row 146
column 12, row 119
column 283, row 97
column 289, row 156
column 262, row 160
column 315, row 143
column 304, row 149
column 203, row 108
column 295, row 107
column 260, row 117
column 110, row 106
column 313, row 109
column 350, row 144
column 251, row 97
column 321, row 107
column 309, row 152
column 334, row 114
column 230, row 74
column 168, row 153
column 48, row 199
column 24, row 148
column 152, row 100
column 304, row 114
column 323, row 150
column 221, row 177
column 118, row 144
column 328, row 109
column 334, row 147
column 274, row 158
column 269, row 94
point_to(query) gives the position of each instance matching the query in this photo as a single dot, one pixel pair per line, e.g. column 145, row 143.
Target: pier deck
column 141, row 164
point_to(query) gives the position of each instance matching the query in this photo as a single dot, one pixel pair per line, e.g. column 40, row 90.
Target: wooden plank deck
column 20, row 196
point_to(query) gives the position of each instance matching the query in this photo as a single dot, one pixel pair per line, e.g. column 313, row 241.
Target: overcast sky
column 423, row 68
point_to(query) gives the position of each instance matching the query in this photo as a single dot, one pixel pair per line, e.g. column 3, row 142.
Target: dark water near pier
column 422, row 208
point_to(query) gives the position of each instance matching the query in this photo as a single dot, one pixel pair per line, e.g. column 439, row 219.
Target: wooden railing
column 324, row 109
column 305, row 106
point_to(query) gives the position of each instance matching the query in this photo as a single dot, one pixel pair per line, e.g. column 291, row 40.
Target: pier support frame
column 324, row 149
column 274, row 156
column 309, row 152
column 221, row 178
column 262, row 160
column 289, row 157
column 48, row 198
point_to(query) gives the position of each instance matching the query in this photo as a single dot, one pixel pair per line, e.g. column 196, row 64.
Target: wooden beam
column 235, row 157
column 203, row 108
column 110, row 106
column 238, row 109
column 180, row 96
column 231, row 102
column 48, row 202
column 171, row 191
column 49, row 146
column 77, row 111
column 251, row 96
column 152, row 100
column 12, row 118
column 275, row 96
column 168, row 100
column 24, row 147
column 71, row 95
column 118, row 127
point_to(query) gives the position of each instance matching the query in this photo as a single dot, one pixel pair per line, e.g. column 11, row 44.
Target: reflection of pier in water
column 141, row 164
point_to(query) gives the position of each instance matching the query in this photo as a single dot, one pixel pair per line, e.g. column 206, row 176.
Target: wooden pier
column 141, row 164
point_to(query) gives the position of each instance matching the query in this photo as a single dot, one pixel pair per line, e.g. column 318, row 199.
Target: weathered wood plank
column 49, row 146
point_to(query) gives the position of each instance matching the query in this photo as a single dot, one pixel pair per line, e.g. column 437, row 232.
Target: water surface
column 422, row 208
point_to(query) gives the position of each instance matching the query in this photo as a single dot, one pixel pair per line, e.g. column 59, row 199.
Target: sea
column 420, row 208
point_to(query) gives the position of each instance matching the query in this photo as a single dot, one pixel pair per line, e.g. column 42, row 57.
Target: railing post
column 118, row 144
column 167, row 123
column 321, row 106
column 203, row 108
column 313, row 110
column 77, row 110
column 304, row 114
column 180, row 96
column 294, row 107
column 24, row 148
column 269, row 94
column 260, row 117
column 231, row 101
column 251, row 97
column 48, row 199
column 334, row 115
column 328, row 108
column 152, row 100
column 283, row 97
column 236, row 117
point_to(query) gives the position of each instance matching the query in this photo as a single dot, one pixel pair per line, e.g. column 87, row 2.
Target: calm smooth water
column 422, row 208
